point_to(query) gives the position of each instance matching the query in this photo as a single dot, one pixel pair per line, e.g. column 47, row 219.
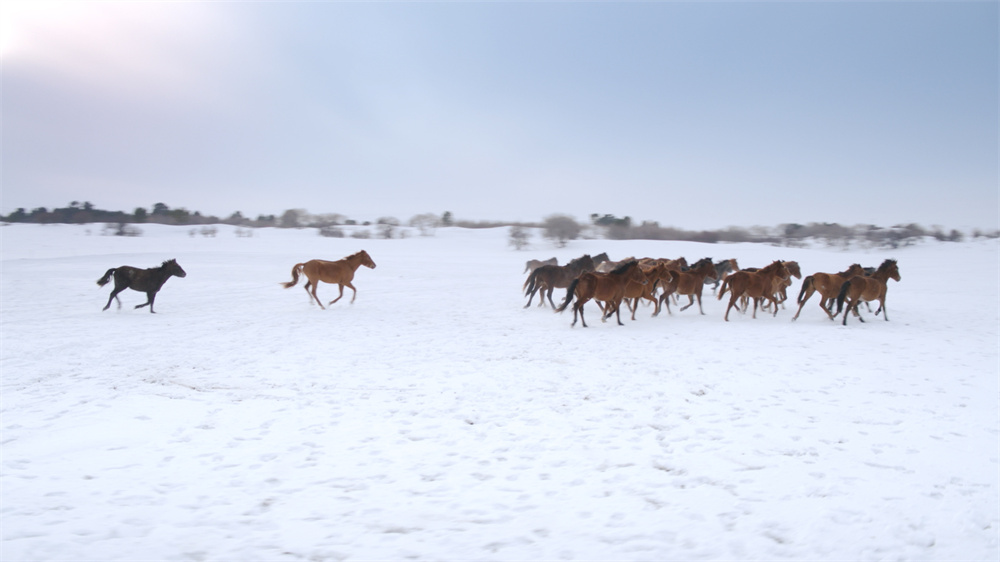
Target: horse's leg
column 114, row 296
column 340, row 295
column 549, row 294
column 355, row 295
column 618, row 312
column 733, row 297
column 688, row 305
column 313, row 294
column 700, row 309
column 802, row 303
column 149, row 301
column 881, row 307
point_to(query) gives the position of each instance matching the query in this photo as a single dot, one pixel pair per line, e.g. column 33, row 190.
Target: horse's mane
column 355, row 254
column 621, row 268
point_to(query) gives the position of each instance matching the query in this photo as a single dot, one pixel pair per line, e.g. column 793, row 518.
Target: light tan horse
column 757, row 285
column 340, row 272
column 862, row 288
column 828, row 286
column 607, row 287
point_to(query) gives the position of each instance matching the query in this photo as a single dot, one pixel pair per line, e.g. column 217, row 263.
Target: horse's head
column 793, row 268
column 601, row 258
column 778, row 268
column 632, row 272
column 174, row 268
column 366, row 260
column 891, row 268
column 854, row 271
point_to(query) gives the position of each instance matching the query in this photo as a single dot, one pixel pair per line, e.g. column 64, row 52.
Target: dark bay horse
column 828, row 286
column 607, row 287
column 865, row 288
column 146, row 281
column 757, row 285
column 340, row 272
column 547, row 278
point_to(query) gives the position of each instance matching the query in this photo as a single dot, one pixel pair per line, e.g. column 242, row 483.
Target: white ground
column 436, row 419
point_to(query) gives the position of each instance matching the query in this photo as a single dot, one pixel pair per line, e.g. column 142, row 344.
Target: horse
column 608, row 287
column 722, row 269
column 781, row 285
column 862, row 288
column 340, row 272
column 547, row 278
column 756, row 285
column 148, row 281
column 828, row 286
column 607, row 266
column 690, row 283
column 532, row 265
column 655, row 274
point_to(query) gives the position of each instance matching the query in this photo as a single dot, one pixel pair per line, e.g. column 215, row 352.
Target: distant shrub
column 332, row 232
column 561, row 229
column 361, row 234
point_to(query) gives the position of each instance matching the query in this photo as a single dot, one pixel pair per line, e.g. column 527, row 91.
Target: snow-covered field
column 437, row 419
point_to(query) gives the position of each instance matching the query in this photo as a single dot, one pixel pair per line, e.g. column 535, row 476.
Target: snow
column 438, row 419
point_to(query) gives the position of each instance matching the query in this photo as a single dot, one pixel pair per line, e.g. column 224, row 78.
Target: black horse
column 147, row 281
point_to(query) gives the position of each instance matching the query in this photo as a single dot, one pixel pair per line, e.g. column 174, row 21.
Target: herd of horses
column 659, row 281
column 605, row 282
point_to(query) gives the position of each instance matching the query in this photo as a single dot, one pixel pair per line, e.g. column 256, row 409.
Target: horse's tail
column 842, row 296
column 107, row 277
column 806, row 285
column 570, row 292
column 295, row 276
column 725, row 287
column 529, row 283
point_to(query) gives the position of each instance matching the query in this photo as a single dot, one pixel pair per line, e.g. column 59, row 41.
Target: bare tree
column 561, row 229
column 518, row 238
column 425, row 223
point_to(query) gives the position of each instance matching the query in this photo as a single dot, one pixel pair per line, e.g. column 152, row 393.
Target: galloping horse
column 862, row 288
column 340, row 272
column 607, row 287
column 658, row 273
column 827, row 285
column 690, row 283
column 147, row 281
column 756, row 285
column 547, row 278
column 532, row 265
column 722, row 269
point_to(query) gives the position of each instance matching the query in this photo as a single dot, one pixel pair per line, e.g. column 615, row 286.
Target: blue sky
column 696, row 115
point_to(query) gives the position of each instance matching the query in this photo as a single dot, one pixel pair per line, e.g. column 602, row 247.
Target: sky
column 694, row 115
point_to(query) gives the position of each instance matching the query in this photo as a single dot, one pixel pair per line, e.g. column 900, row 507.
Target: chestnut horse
column 757, row 285
column 547, row 278
column 607, row 287
column 861, row 288
column 828, row 286
column 148, row 281
column 340, row 272
column 690, row 283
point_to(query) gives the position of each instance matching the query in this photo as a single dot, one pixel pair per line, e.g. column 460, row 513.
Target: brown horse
column 340, row 272
column 147, row 281
column 607, row 287
column 547, row 278
column 757, row 285
column 655, row 274
column 828, row 286
column 861, row 288
column 690, row 283
column 781, row 285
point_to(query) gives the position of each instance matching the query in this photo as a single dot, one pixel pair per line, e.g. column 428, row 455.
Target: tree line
column 558, row 228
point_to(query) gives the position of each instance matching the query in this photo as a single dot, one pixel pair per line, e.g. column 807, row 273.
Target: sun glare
column 20, row 20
